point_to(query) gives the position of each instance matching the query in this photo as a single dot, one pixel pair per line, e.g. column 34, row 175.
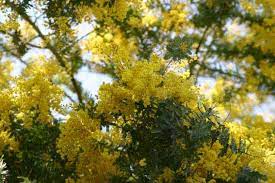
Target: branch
column 220, row 71
column 69, row 97
column 202, row 39
column 192, row 65
column 14, row 55
column 23, row 14
column 35, row 46
column 77, row 40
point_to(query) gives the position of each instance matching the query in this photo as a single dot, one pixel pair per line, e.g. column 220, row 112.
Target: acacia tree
column 153, row 123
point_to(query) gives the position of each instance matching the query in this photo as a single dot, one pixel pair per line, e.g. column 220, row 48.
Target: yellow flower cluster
column 6, row 139
column 148, row 20
column 85, row 132
column 262, row 35
column 167, row 176
column 47, row 68
column 175, row 19
column 143, row 81
column 253, row 6
column 5, row 112
column 146, row 17
column 9, row 25
column 6, row 106
column 35, row 95
column 95, row 167
column 111, row 47
column 27, row 31
column 118, row 9
column 223, row 167
column 226, row 104
column 106, row 10
column 260, row 140
column 268, row 69
column 5, row 70
column 248, row 6
column 63, row 26
column 81, row 130
column 252, row 82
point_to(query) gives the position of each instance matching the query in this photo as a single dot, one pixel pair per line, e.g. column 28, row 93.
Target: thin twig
column 23, row 14
column 35, row 46
column 202, row 39
column 77, row 40
column 14, row 55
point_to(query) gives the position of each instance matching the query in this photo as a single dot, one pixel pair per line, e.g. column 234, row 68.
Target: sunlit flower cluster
column 107, row 10
column 85, row 134
column 175, row 19
column 5, row 70
column 111, row 47
column 144, row 81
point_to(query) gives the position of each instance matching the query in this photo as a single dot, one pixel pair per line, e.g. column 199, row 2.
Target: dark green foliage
column 56, row 8
column 249, row 176
column 174, row 50
column 158, row 134
column 218, row 13
column 37, row 157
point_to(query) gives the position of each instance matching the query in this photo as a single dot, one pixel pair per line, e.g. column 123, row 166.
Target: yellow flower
column 108, row 36
column 5, row 70
column 175, row 19
column 166, row 176
column 148, row 20
column 78, row 141
column 183, row 47
column 142, row 162
column 134, row 21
